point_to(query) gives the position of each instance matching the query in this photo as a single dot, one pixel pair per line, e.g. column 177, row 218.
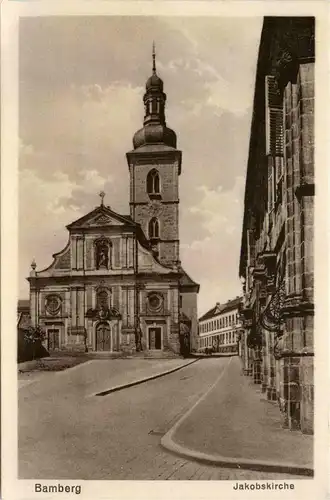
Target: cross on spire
column 102, row 195
column 153, row 57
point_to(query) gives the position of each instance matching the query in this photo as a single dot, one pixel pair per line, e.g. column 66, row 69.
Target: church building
column 118, row 285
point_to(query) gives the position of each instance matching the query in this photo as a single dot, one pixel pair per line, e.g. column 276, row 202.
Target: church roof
column 186, row 280
column 101, row 215
column 221, row 308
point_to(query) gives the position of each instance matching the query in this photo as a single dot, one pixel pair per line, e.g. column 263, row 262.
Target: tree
column 34, row 337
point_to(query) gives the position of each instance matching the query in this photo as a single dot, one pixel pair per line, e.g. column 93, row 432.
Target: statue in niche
column 102, row 255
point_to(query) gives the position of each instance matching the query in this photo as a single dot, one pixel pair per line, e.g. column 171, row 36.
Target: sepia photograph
column 165, row 304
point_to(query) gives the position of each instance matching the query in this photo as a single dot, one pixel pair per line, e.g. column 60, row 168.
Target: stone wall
column 286, row 65
column 165, row 208
column 189, row 308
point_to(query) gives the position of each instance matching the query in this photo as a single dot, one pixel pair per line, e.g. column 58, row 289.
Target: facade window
column 53, row 304
column 229, row 320
column 153, row 228
column 153, row 182
column 226, row 321
column 218, row 324
column 155, row 301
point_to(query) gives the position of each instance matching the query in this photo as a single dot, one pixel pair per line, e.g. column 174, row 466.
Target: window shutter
column 274, row 118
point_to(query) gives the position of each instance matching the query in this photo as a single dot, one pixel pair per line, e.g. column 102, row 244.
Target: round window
column 155, row 301
column 53, row 304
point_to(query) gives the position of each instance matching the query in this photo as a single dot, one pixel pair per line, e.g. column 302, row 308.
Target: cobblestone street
column 65, row 432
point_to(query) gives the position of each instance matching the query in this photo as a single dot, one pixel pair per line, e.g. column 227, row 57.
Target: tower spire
column 153, row 58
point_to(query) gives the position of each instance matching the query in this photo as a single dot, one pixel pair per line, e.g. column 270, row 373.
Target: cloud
column 48, row 206
column 214, row 258
column 215, row 91
column 81, row 88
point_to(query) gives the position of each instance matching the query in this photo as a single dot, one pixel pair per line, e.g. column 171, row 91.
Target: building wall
column 165, row 208
column 221, row 331
column 189, row 308
column 277, row 238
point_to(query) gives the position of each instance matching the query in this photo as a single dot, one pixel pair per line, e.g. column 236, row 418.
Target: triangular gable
column 100, row 217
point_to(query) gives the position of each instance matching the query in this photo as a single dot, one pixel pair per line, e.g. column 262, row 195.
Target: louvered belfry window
column 274, row 118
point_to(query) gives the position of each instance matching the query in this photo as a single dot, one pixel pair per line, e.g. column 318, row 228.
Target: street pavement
column 240, row 424
column 66, row 432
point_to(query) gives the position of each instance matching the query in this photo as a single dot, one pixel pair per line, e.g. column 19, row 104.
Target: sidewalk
column 235, row 425
column 101, row 376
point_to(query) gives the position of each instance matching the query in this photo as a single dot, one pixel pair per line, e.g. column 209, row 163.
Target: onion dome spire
column 154, row 129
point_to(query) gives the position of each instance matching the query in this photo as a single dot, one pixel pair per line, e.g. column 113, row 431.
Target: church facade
column 118, row 285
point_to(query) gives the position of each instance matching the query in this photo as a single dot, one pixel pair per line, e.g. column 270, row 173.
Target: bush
column 29, row 344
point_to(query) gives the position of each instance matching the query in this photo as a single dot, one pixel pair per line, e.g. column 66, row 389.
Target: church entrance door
column 53, row 339
column 103, row 337
column 155, row 338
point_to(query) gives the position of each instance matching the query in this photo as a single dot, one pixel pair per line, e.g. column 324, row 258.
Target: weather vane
column 153, row 57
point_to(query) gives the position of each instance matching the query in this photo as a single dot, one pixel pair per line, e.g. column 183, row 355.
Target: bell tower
column 154, row 166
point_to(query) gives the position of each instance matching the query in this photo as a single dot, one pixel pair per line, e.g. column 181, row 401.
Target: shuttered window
column 274, row 118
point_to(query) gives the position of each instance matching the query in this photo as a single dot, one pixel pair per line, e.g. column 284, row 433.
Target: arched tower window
column 102, row 254
column 153, row 228
column 153, row 183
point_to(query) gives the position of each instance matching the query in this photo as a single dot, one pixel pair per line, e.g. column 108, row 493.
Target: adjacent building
column 220, row 328
column 276, row 262
column 118, row 285
column 23, row 314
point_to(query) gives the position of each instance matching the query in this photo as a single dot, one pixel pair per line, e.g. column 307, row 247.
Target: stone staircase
column 155, row 355
column 133, row 355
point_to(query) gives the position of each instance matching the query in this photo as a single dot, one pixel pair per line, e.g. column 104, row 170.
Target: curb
column 231, row 462
column 169, row 444
column 142, row 380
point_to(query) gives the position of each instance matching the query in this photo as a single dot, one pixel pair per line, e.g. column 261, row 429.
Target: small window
column 153, row 183
column 154, row 228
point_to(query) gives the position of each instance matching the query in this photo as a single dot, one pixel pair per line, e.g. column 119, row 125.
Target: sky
column 82, row 81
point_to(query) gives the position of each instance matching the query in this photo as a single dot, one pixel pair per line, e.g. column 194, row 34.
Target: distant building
column 23, row 314
column 276, row 262
column 118, row 285
column 220, row 328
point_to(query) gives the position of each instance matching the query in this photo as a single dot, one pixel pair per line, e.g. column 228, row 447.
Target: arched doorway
column 103, row 337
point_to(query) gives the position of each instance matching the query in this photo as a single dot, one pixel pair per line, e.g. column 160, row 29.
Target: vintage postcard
column 161, row 238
